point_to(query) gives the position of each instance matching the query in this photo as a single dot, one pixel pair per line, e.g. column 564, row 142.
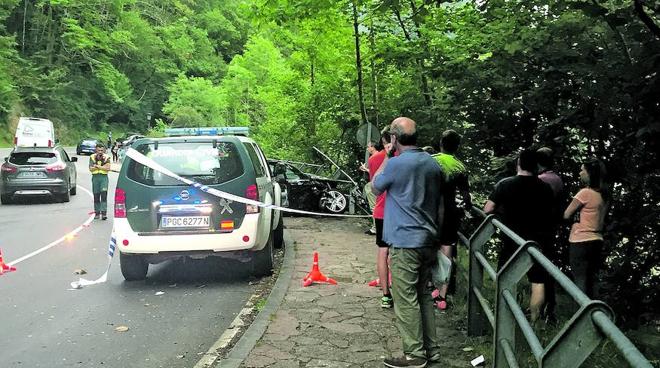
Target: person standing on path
column 372, row 149
column 382, row 266
column 524, row 204
column 545, row 162
column 99, row 166
column 455, row 182
column 586, row 239
column 411, row 225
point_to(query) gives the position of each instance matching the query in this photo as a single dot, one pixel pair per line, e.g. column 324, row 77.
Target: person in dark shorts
column 378, row 214
column 455, row 182
column 545, row 161
column 524, row 204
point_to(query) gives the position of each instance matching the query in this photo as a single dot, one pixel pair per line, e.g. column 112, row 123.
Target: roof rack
column 210, row 131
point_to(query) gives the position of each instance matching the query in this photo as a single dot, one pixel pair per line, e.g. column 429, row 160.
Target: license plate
column 31, row 174
column 184, row 221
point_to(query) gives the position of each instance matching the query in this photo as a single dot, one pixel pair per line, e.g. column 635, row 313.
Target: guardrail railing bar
column 523, row 323
column 562, row 280
column 477, row 311
column 486, row 266
column 485, row 305
column 629, row 351
column 509, row 354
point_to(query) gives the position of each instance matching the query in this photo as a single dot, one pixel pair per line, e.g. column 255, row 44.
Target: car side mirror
column 6, row 159
column 74, row 159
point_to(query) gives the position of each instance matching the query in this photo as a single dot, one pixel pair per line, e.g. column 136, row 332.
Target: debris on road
column 121, row 328
column 478, row 361
column 159, row 293
column 79, row 271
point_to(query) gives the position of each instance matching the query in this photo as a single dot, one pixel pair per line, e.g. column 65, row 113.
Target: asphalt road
column 45, row 324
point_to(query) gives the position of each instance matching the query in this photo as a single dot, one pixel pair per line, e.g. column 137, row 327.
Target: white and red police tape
column 146, row 161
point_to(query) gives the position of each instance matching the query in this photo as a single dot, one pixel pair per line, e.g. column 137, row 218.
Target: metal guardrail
column 581, row 334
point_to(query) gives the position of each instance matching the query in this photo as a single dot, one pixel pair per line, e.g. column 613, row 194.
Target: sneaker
column 104, row 216
column 404, row 362
column 97, row 216
column 434, row 358
column 374, row 283
column 386, row 302
column 370, row 232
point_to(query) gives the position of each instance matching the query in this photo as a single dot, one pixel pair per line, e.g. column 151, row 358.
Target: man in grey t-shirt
column 413, row 215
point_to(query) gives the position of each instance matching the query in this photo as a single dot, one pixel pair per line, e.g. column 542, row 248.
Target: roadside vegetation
column 578, row 76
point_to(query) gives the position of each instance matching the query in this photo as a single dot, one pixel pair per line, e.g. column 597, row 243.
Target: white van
column 34, row 132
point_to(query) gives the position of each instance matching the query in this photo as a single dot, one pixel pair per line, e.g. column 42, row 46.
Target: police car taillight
column 252, row 193
column 55, row 167
column 120, row 203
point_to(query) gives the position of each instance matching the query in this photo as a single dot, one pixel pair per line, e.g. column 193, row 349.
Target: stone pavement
column 341, row 325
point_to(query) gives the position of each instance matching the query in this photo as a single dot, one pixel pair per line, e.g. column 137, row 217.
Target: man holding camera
column 99, row 166
column 413, row 215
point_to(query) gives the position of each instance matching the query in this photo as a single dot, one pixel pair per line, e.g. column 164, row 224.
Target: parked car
column 158, row 218
column 34, row 132
column 130, row 139
column 87, row 145
column 38, row 171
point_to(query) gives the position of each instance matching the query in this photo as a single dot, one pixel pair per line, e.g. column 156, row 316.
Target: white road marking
column 226, row 338
column 58, row 241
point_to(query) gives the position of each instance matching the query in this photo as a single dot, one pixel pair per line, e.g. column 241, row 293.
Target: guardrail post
column 505, row 323
column 477, row 322
column 577, row 340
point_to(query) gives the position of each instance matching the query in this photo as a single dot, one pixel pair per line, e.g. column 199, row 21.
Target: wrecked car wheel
column 334, row 201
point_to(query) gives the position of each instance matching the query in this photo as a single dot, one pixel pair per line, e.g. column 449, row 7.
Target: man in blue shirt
column 414, row 210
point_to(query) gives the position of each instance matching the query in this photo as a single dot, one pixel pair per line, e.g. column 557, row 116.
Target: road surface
column 43, row 323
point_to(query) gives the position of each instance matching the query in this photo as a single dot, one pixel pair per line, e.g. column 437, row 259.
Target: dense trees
column 579, row 76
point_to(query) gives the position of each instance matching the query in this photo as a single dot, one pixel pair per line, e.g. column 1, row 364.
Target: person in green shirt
column 455, row 182
column 99, row 166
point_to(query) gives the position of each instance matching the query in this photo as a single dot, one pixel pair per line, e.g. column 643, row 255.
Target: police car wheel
column 66, row 196
column 278, row 234
column 133, row 267
column 262, row 261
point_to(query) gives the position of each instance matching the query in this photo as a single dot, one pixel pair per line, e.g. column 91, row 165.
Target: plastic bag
column 441, row 271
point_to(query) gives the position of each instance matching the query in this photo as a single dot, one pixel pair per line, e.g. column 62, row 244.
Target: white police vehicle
column 157, row 217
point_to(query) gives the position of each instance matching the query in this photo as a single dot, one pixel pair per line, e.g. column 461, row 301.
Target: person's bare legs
column 383, row 269
column 536, row 301
column 446, row 250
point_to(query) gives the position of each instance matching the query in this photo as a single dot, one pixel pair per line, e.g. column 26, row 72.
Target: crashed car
column 312, row 192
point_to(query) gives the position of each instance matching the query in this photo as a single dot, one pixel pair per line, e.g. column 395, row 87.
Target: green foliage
column 578, row 76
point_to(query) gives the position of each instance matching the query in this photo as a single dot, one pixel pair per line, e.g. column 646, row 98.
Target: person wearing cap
column 99, row 166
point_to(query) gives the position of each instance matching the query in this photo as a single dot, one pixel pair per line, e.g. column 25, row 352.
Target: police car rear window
column 198, row 161
column 32, row 158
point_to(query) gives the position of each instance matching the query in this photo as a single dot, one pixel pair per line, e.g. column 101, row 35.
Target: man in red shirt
column 378, row 213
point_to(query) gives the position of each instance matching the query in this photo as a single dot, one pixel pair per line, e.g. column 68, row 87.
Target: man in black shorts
column 455, row 182
column 524, row 203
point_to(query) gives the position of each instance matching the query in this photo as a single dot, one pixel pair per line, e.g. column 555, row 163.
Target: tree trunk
column 358, row 63
column 419, row 62
column 646, row 19
column 374, row 76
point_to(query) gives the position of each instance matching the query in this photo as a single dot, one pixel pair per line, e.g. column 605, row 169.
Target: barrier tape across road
column 146, row 161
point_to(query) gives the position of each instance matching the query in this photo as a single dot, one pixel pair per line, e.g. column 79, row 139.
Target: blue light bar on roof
column 178, row 132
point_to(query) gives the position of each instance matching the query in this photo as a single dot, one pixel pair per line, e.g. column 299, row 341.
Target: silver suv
column 38, row 171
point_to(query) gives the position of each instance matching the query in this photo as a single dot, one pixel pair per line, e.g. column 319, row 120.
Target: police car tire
column 278, row 234
column 73, row 190
column 133, row 267
column 5, row 199
column 262, row 261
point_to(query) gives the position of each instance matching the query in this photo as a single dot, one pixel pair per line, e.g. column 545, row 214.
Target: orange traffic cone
column 3, row 267
column 315, row 274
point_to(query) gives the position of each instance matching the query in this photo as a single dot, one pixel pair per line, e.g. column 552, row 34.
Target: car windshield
column 32, row 158
column 89, row 142
column 198, row 161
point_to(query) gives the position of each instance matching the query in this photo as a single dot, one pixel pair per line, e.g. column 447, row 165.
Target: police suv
column 157, row 217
